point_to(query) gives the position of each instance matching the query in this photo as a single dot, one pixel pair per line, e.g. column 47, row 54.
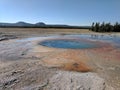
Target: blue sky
column 72, row 12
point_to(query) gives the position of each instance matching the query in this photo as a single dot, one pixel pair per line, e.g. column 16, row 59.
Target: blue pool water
column 74, row 44
column 68, row 44
column 82, row 44
column 114, row 39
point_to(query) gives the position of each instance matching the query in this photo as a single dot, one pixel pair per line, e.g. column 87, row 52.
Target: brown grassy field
column 38, row 31
column 25, row 32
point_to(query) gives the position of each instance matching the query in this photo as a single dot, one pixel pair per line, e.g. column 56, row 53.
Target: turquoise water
column 68, row 44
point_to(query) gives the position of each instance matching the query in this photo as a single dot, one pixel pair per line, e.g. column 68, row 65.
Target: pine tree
column 105, row 27
column 92, row 28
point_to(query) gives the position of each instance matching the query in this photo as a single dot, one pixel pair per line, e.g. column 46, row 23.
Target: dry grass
column 29, row 31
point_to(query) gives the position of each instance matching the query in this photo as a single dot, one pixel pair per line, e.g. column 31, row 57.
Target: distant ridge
column 22, row 24
column 40, row 24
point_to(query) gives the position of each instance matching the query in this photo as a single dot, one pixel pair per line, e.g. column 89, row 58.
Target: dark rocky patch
column 6, row 37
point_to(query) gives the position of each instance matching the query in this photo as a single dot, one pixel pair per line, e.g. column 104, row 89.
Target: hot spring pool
column 86, row 41
column 68, row 44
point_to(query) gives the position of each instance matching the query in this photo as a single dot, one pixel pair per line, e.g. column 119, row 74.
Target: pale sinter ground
column 27, row 66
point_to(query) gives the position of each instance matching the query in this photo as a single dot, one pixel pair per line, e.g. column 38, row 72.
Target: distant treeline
column 49, row 26
column 105, row 27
